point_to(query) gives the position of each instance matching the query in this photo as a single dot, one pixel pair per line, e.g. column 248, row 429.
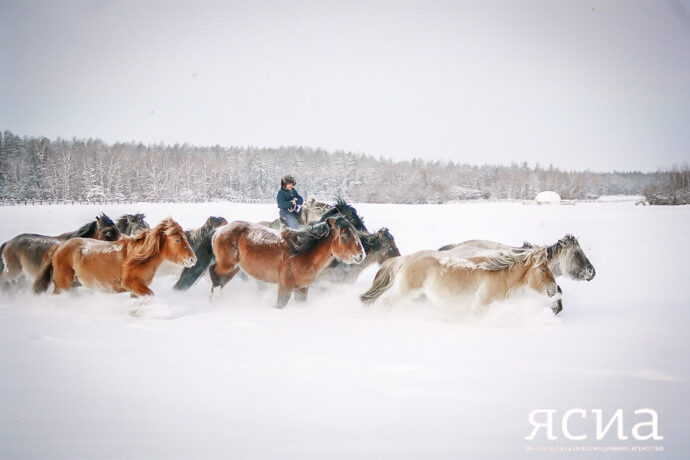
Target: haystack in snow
column 548, row 197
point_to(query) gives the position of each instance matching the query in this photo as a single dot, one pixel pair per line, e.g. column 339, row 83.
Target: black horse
column 200, row 241
column 348, row 212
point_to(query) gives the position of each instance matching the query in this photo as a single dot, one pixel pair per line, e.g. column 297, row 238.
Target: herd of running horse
column 333, row 244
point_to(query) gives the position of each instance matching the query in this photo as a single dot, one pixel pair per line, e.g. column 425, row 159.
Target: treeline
column 670, row 188
column 91, row 170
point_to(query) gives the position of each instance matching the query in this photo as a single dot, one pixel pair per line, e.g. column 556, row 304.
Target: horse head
column 174, row 245
column 538, row 276
column 381, row 244
column 214, row 222
column 106, row 229
column 346, row 246
column 132, row 224
column 567, row 258
column 388, row 246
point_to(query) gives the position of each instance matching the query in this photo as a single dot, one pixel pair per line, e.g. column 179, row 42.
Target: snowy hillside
column 82, row 377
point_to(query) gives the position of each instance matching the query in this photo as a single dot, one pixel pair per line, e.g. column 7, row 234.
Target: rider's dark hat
column 287, row 180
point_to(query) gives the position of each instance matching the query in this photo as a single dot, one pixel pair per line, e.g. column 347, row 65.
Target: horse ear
column 569, row 238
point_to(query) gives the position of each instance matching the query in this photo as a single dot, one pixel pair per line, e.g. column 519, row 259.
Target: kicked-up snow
column 95, row 375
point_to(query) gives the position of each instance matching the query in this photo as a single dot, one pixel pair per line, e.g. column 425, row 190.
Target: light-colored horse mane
column 535, row 255
column 147, row 244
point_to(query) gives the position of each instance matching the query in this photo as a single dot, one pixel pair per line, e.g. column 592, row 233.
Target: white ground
column 80, row 377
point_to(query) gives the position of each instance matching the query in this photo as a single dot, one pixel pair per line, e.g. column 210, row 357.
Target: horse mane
column 301, row 241
column 343, row 208
column 83, row 231
column 536, row 255
column 565, row 243
column 147, row 244
column 89, row 228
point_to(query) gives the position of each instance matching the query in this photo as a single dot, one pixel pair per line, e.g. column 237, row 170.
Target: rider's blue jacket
column 285, row 197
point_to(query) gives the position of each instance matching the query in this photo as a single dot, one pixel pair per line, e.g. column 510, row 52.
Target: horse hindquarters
column 10, row 264
column 45, row 274
column 224, row 252
column 383, row 280
column 61, row 264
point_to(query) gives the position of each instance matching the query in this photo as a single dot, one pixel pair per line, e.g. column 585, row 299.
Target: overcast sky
column 581, row 84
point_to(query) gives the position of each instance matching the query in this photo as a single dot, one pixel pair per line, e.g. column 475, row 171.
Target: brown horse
column 125, row 265
column 291, row 258
column 26, row 253
column 472, row 281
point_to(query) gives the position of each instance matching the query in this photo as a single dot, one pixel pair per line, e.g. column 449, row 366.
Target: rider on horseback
column 289, row 201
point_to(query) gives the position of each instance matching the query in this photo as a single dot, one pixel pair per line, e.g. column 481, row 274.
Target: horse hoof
column 215, row 294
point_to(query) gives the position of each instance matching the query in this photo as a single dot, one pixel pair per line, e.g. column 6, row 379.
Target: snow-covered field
column 81, row 377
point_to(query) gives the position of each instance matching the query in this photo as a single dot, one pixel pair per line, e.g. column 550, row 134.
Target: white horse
column 565, row 257
column 445, row 277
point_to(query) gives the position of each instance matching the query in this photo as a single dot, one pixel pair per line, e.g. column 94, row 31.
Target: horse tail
column 204, row 258
column 45, row 274
column 2, row 260
column 383, row 280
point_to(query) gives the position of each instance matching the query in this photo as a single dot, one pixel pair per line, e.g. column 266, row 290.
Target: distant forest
column 91, row 170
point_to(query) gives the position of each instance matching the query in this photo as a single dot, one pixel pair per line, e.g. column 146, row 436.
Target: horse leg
column 137, row 287
column 557, row 302
column 63, row 277
column 220, row 276
column 284, row 294
column 301, row 294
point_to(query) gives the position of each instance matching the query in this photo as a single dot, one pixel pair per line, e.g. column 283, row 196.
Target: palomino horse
column 132, row 224
column 565, row 257
column 120, row 266
column 26, row 253
column 379, row 247
column 472, row 281
column 290, row 258
column 200, row 240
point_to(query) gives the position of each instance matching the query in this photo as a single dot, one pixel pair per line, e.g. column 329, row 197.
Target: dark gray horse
column 379, row 247
column 25, row 254
column 200, row 241
column 132, row 224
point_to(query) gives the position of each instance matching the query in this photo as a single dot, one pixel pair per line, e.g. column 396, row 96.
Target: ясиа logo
column 644, row 424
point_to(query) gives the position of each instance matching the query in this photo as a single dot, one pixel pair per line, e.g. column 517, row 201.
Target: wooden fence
column 38, row 202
